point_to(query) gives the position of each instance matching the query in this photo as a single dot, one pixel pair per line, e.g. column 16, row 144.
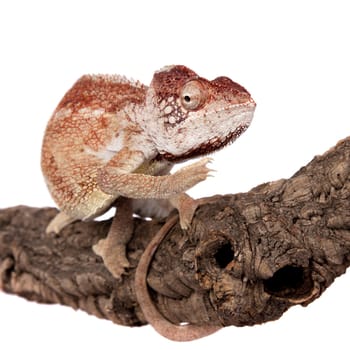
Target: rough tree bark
column 246, row 259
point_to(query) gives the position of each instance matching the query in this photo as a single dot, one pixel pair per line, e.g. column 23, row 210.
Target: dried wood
column 246, row 259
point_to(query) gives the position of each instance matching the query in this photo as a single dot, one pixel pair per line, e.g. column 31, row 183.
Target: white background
column 293, row 56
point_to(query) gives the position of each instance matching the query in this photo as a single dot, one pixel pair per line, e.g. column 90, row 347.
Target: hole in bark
column 289, row 282
column 224, row 255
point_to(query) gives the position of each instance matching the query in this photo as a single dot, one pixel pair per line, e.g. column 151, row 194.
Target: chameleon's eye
column 193, row 95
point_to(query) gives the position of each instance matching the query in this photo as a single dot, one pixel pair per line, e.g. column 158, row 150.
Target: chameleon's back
column 78, row 139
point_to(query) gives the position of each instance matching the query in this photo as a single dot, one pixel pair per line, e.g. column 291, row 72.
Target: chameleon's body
column 110, row 137
column 89, row 130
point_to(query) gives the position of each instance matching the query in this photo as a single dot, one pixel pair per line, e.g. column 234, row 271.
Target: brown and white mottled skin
column 115, row 139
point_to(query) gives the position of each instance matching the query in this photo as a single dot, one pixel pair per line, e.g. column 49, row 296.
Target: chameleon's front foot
column 186, row 206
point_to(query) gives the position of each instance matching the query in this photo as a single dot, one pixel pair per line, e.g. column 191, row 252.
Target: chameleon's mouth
column 210, row 146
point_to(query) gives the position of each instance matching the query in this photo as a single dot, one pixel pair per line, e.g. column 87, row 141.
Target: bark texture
column 246, row 259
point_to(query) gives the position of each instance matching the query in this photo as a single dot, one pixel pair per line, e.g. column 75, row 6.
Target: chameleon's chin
column 208, row 147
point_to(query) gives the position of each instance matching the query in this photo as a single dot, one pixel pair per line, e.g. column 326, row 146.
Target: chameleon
column 113, row 141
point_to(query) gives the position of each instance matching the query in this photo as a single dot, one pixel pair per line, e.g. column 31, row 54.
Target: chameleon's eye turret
column 193, row 95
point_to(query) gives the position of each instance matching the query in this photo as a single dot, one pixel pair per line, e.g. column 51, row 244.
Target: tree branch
column 246, row 259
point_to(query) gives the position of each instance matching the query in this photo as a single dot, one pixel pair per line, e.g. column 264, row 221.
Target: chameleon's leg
column 137, row 185
column 112, row 249
column 60, row 221
column 172, row 187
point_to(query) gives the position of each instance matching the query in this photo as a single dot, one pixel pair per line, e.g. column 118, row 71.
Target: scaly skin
column 111, row 137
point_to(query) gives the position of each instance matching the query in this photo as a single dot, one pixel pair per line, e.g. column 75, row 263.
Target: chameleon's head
column 193, row 116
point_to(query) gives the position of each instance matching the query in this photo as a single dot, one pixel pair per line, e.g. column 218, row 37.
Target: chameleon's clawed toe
column 186, row 207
